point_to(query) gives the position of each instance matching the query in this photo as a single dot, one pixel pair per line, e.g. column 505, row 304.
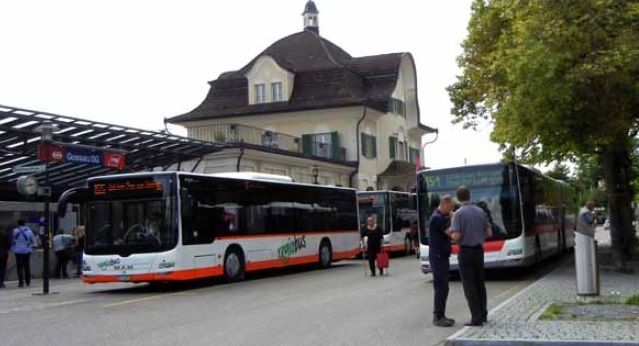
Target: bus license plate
column 124, row 278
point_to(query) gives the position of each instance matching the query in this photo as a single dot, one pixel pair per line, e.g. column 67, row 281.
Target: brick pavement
column 516, row 321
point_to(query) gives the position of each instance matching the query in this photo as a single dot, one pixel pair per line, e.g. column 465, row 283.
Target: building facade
column 305, row 108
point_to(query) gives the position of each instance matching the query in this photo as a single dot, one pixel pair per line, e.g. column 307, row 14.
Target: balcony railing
column 236, row 133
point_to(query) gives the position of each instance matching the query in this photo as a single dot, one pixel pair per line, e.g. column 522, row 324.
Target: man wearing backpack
column 23, row 243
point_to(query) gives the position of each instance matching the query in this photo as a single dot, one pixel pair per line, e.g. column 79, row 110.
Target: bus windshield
column 130, row 216
column 491, row 189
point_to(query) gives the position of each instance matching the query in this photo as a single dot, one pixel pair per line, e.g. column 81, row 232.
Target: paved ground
column 339, row 306
column 516, row 321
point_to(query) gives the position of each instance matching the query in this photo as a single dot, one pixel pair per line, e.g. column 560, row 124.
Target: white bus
column 396, row 214
column 167, row 226
column 532, row 216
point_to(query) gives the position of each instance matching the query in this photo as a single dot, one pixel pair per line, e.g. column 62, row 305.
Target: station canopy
column 20, row 138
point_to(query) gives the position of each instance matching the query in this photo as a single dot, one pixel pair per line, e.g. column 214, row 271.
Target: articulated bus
column 167, row 226
column 396, row 214
column 532, row 216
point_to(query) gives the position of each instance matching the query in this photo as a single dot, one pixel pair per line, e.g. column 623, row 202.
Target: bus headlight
column 85, row 266
column 515, row 252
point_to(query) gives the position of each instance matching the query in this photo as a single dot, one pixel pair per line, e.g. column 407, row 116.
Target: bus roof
column 229, row 175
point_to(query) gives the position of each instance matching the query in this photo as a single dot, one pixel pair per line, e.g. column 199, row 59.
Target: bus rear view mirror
column 73, row 196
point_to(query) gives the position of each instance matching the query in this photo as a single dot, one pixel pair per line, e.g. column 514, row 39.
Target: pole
column 45, row 237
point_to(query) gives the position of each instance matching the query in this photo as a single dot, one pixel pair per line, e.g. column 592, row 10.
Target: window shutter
column 335, row 145
column 364, row 144
column 307, row 144
column 392, row 147
column 373, row 140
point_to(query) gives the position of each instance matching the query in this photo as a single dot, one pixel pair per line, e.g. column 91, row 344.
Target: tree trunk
column 616, row 166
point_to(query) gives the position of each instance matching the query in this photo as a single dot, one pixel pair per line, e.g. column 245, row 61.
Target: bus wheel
column 325, row 254
column 408, row 246
column 234, row 264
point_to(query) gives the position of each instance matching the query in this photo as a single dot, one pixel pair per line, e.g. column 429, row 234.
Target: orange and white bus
column 532, row 216
column 396, row 214
column 167, row 226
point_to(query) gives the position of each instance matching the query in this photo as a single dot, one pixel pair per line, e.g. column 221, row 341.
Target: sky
column 134, row 63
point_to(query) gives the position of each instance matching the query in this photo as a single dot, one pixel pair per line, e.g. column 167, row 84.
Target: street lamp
column 46, row 129
column 315, row 172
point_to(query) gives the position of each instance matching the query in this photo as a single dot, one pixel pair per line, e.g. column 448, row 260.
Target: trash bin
column 586, row 266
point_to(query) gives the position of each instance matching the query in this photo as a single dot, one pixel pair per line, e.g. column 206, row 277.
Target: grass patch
column 553, row 312
column 633, row 300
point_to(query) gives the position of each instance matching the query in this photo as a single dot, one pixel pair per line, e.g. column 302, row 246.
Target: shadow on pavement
column 179, row 286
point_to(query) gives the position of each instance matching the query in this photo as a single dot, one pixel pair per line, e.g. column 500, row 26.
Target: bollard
column 586, row 265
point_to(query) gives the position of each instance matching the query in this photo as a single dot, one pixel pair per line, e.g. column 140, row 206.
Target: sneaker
column 443, row 321
column 21, row 285
column 2, row 286
column 372, row 273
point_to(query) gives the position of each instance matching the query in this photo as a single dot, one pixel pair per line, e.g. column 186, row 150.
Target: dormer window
column 260, row 93
column 276, row 92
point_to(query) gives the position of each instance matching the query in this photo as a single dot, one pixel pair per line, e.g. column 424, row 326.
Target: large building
column 304, row 107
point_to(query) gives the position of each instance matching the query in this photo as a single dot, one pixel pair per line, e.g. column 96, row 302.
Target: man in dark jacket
column 438, row 255
column 5, row 246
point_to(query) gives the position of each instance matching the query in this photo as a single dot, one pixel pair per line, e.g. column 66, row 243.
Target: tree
column 560, row 172
column 559, row 79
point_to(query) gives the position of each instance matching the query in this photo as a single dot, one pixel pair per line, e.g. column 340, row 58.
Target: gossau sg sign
column 60, row 153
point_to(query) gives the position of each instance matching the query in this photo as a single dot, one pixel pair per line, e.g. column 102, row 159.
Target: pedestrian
column 62, row 243
column 586, row 220
column 439, row 250
column 79, row 234
column 23, row 243
column 5, row 247
column 470, row 228
column 374, row 237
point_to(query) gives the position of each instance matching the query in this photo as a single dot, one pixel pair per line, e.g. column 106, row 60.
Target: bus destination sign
column 127, row 187
column 451, row 181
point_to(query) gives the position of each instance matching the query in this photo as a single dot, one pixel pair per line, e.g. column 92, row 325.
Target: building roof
column 19, row 141
column 326, row 76
column 310, row 8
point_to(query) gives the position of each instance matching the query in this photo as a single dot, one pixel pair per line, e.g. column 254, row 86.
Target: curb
column 457, row 340
column 514, row 342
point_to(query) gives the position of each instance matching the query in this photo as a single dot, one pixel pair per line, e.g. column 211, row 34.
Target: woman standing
column 79, row 235
column 374, row 237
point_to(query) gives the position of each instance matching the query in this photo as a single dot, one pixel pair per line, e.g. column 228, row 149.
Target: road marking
column 158, row 296
column 139, row 300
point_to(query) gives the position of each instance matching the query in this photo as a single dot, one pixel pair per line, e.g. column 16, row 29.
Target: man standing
column 586, row 220
column 470, row 228
column 438, row 256
column 23, row 244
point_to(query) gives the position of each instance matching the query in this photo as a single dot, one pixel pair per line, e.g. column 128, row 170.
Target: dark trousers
column 61, row 264
column 3, row 268
column 24, row 268
column 440, row 266
column 471, row 269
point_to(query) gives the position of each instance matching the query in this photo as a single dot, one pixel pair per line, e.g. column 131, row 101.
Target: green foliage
column 557, row 78
column 553, row 312
column 560, row 172
column 633, row 300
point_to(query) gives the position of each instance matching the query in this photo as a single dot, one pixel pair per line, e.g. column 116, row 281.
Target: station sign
column 82, row 155
column 28, row 169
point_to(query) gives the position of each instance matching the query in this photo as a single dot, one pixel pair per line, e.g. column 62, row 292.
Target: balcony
column 237, row 133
